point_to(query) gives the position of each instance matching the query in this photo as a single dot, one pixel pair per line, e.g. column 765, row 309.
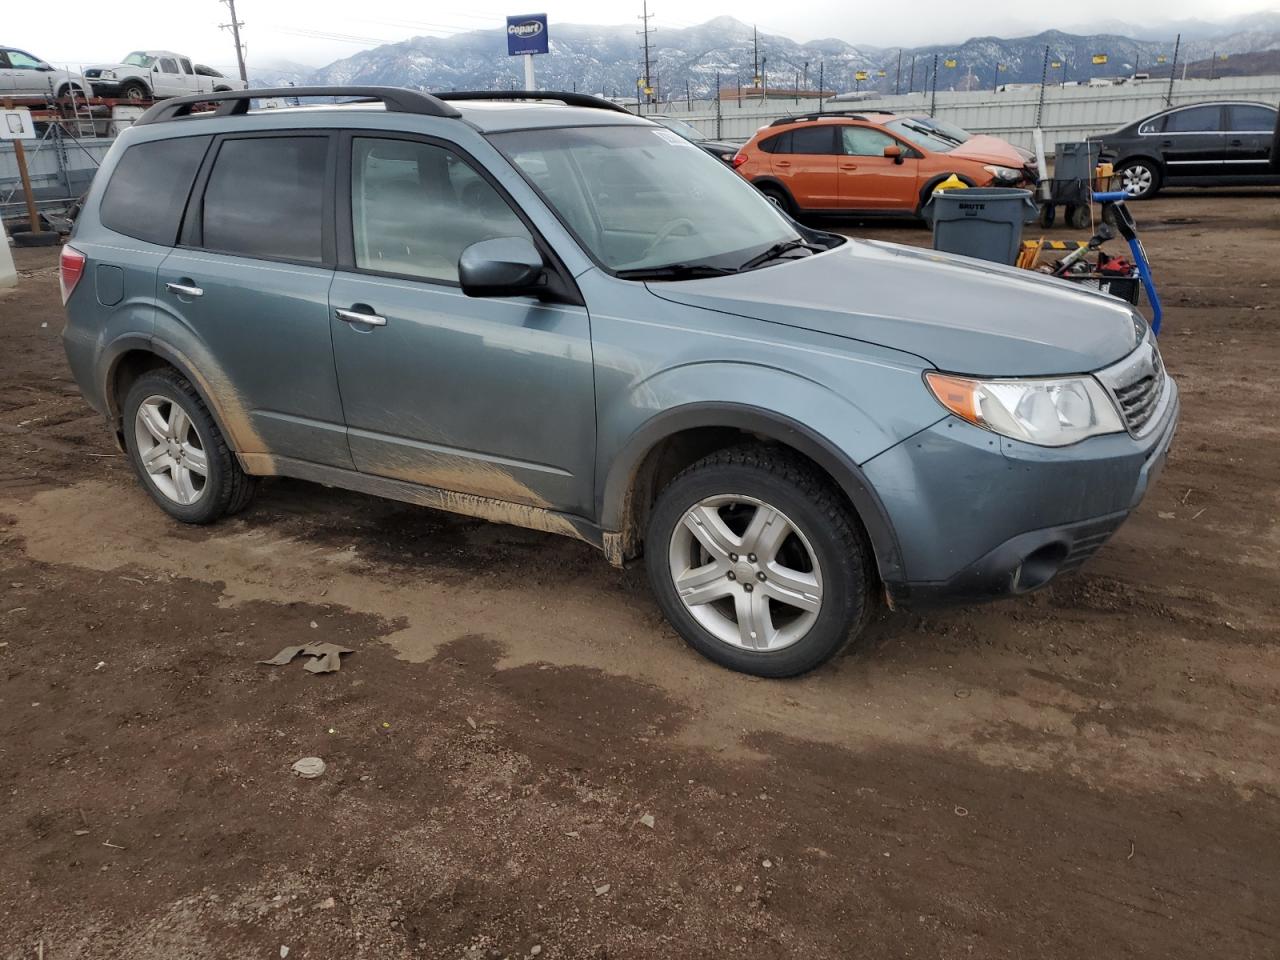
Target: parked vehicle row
column 142, row 75
column 566, row 317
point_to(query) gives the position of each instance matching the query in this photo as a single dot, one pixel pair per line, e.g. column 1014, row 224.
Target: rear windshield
column 148, row 191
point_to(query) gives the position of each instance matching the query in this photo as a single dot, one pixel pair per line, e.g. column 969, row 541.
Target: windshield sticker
column 671, row 137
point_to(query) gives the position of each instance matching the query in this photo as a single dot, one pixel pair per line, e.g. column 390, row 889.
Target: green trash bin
column 982, row 222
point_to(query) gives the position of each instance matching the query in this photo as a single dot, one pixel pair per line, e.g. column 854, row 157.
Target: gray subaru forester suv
column 562, row 316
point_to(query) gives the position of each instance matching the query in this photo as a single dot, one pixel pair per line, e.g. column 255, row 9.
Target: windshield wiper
column 776, row 251
column 674, row 271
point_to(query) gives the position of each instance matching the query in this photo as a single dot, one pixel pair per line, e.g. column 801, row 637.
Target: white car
column 22, row 75
column 152, row 74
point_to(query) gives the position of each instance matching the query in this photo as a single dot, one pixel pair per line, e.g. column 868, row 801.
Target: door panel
column 1193, row 141
column 166, row 80
column 1248, row 148
column 868, row 180
column 263, row 332
column 493, row 397
column 808, row 167
column 252, row 303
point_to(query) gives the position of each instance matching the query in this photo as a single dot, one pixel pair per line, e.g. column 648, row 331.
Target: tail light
column 72, row 269
column 739, row 159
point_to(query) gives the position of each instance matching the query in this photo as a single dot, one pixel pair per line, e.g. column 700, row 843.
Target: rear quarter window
column 148, row 189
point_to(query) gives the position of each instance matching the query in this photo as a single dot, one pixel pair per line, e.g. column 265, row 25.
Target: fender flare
column 927, row 190
column 138, row 343
column 847, row 475
column 774, row 182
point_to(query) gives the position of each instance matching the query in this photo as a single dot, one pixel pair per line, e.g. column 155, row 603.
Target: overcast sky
column 316, row 32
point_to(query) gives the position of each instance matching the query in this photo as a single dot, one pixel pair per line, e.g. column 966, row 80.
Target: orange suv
column 870, row 163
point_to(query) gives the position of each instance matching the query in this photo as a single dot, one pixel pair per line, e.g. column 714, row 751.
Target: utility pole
column 234, row 27
column 822, row 86
column 897, row 81
column 1173, row 69
column 764, row 79
column 933, row 106
column 1213, row 64
column 755, row 47
column 1044, row 77
column 911, row 81
column 645, row 17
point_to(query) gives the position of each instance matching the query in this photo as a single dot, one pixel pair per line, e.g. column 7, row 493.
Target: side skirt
column 485, row 508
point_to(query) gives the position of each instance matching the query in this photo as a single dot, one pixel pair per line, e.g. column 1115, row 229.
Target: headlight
column 1049, row 412
column 1004, row 173
column 107, row 75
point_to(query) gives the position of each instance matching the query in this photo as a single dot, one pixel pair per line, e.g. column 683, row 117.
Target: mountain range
column 607, row 59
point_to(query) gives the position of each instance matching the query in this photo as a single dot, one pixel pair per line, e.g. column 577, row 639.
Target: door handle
column 353, row 316
column 848, row 166
column 1237, row 143
column 784, row 163
column 1166, row 143
column 184, row 289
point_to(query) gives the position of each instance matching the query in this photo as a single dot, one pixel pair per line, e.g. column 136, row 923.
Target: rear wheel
column 778, row 197
column 178, row 452
column 1140, row 179
column 757, row 562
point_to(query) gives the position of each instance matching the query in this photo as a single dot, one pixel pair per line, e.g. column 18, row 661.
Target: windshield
column 943, row 129
column 139, row 60
column 686, row 130
column 641, row 197
column 919, row 134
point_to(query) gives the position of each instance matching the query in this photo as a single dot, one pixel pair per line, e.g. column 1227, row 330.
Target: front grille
column 1138, row 383
column 92, row 74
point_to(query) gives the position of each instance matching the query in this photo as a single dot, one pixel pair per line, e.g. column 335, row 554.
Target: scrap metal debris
column 309, row 768
column 326, row 657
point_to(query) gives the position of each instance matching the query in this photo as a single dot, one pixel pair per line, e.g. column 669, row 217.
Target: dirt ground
column 1092, row 771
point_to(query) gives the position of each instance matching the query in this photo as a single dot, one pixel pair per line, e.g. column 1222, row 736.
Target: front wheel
column 758, row 563
column 1140, row 179
column 134, row 90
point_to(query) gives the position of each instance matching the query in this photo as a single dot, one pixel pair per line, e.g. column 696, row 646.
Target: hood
column 985, row 149
column 721, row 147
column 958, row 314
column 114, row 66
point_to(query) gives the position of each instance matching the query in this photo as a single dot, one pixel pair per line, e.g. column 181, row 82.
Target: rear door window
column 266, row 198
column 813, row 140
column 1207, row 119
column 148, row 191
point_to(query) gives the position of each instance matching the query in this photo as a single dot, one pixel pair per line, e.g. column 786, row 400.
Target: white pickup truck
column 151, row 74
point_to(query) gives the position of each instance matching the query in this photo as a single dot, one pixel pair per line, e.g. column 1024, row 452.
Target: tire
column 45, row 238
column 134, row 90
column 1139, row 178
column 818, row 555
column 778, row 197
column 65, row 91
column 1048, row 215
column 1079, row 216
column 222, row 489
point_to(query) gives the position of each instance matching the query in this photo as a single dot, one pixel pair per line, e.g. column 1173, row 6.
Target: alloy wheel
column 171, row 450
column 1136, row 180
column 746, row 572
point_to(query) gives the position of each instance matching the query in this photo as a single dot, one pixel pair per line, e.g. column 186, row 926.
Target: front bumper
column 979, row 516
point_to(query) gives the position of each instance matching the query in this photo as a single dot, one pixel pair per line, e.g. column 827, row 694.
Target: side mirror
column 894, row 152
column 501, row 267
column 45, row 68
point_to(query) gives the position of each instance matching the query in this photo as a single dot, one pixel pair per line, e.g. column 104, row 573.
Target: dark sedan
column 1225, row 143
column 720, row 149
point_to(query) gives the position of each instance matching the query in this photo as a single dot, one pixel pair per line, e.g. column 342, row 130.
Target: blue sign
column 527, row 34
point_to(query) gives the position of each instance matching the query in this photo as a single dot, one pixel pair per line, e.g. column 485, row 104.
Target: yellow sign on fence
column 1099, row 58
column 949, row 63
column 860, row 75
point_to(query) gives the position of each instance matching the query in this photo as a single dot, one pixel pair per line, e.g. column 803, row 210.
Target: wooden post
column 20, row 154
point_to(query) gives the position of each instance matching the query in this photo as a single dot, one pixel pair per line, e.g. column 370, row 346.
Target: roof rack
column 851, row 114
column 236, row 102
column 568, row 99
